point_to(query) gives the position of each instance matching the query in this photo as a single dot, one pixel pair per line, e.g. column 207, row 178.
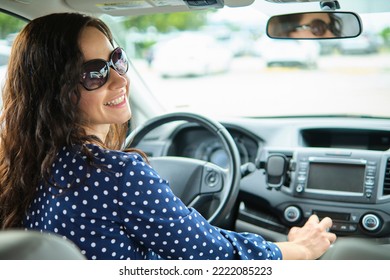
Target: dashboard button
column 299, row 188
column 292, row 214
column 370, row 222
column 345, row 227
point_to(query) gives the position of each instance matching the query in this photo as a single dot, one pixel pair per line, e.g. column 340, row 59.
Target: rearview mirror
column 315, row 25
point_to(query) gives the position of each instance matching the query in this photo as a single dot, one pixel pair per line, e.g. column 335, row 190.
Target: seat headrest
column 33, row 245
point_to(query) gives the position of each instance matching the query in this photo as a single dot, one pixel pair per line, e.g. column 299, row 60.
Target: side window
column 9, row 28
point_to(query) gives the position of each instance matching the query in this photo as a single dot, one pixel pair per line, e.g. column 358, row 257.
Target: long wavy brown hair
column 39, row 114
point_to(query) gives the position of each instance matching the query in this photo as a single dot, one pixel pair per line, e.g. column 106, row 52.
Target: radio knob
column 371, row 222
column 292, row 214
column 299, row 188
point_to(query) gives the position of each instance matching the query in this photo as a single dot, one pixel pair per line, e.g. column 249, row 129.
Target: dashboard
column 336, row 167
column 198, row 143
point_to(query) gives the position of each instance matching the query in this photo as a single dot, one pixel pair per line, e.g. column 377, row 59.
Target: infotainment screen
column 340, row 177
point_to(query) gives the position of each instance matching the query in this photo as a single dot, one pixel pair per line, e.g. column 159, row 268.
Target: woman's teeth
column 115, row 101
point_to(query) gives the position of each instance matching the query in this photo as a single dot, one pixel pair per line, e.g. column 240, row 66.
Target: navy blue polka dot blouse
column 120, row 208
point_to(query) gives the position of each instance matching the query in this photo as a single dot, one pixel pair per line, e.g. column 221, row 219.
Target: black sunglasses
column 317, row 27
column 96, row 72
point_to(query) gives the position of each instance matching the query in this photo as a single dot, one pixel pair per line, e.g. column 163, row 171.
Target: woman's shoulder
column 99, row 155
column 107, row 155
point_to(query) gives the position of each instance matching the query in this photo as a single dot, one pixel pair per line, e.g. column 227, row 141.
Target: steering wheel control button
column 370, row 222
column 292, row 214
column 212, row 179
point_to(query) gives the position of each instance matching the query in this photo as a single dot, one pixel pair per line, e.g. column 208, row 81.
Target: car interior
column 258, row 130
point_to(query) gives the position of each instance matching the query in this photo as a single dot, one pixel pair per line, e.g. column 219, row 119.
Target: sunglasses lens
column 318, row 27
column 119, row 61
column 95, row 74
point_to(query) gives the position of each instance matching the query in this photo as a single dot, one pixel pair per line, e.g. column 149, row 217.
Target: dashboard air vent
column 386, row 183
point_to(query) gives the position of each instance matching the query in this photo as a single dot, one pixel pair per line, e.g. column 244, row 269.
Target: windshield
column 223, row 64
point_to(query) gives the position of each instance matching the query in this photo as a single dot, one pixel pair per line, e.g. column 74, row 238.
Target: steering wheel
column 207, row 187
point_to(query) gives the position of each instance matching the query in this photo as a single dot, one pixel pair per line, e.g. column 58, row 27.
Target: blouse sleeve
column 159, row 220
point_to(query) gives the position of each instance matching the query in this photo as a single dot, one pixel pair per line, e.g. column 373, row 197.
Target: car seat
column 19, row 244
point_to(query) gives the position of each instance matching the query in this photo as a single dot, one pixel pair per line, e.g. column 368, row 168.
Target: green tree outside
column 166, row 22
column 9, row 24
column 385, row 33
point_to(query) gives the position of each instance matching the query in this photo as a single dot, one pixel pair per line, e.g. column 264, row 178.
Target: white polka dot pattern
column 120, row 208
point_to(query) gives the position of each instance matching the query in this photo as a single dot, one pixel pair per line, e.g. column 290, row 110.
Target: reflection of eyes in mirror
column 314, row 25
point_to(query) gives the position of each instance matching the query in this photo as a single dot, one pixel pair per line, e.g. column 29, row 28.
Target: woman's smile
column 117, row 102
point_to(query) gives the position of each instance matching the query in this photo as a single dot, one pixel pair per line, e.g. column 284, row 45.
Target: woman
column 305, row 25
column 64, row 122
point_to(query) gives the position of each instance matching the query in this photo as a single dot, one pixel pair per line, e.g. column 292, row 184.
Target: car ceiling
column 34, row 8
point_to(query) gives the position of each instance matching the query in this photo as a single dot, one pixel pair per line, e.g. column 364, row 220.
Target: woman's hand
column 310, row 241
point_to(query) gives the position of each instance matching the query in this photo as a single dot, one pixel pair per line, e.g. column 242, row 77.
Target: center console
column 347, row 185
column 337, row 175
